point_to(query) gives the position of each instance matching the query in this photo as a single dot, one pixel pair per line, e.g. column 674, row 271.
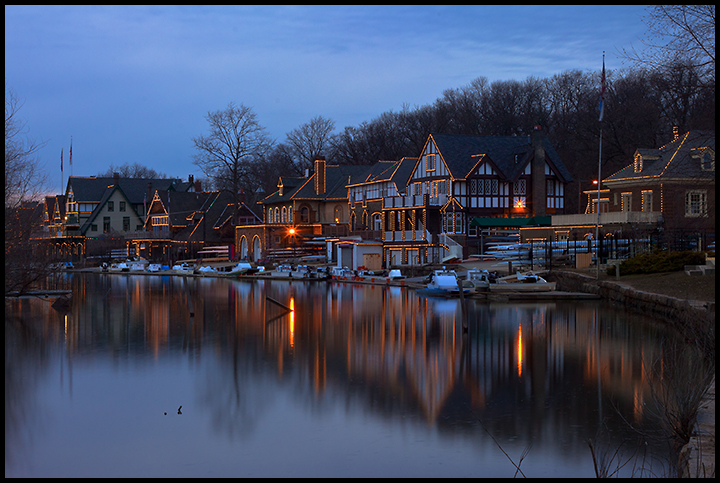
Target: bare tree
column 228, row 153
column 24, row 177
column 25, row 183
column 309, row 141
column 679, row 33
column 135, row 171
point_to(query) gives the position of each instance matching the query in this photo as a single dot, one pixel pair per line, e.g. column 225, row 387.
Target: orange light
column 594, row 181
column 292, row 231
column 519, row 351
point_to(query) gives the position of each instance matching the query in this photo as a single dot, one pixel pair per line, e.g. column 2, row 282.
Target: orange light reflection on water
column 519, row 351
column 292, row 322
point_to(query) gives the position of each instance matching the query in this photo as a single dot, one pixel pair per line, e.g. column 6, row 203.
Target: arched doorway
column 243, row 248
column 257, row 248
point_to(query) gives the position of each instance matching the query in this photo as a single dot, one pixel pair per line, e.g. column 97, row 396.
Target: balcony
column 615, row 217
column 414, row 201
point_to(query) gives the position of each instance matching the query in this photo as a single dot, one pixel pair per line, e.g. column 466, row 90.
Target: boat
column 154, row 267
column 282, row 271
column 442, row 283
column 478, row 280
column 183, row 268
column 301, row 272
column 522, row 282
column 119, row 267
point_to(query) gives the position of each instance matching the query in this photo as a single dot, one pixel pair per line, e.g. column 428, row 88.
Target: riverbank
column 696, row 312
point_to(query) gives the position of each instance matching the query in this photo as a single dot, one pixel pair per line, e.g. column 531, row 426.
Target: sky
column 133, row 84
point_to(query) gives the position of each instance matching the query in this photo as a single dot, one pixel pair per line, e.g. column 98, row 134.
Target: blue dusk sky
column 133, row 84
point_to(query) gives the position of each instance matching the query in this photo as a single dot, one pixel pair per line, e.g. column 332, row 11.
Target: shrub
column 658, row 261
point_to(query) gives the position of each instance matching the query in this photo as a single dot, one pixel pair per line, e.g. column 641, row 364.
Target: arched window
column 277, row 215
column 284, row 215
column 304, row 215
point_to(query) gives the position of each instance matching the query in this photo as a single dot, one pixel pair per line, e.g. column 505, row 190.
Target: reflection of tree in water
column 28, row 347
column 237, row 390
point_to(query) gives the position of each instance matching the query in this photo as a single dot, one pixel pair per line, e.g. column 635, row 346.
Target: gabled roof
column 180, row 205
column 677, row 159
column 101, row 203
column 337, row 179
column 509, row 154
column 91, row 189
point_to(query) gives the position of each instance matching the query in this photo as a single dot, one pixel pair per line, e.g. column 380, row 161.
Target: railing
column 414, row 201
column 615, row 217
column 130, row 235
column 398, row 236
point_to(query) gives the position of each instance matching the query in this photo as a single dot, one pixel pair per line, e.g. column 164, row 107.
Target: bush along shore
column 689, row 403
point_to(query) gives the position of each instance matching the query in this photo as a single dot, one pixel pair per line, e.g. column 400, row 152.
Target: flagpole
column 597, row 208
column 62, row 176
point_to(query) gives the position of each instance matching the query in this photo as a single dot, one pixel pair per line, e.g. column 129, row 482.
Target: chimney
column 320, row 175
column 537, row 173
column 116, row 177
column 149, row 192
column 197, row 185
column 191, row 179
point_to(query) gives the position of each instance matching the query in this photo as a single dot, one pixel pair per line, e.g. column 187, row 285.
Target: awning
column 511, row 222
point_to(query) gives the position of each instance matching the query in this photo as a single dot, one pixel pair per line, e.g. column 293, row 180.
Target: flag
column 61, row 153
column 71, row 151
column 601, row 106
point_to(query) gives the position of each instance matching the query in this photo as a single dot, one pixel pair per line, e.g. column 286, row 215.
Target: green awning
column 511, row 222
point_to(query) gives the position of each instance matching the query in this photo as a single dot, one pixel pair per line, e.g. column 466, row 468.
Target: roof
column 677, row 159
column 91, row 189
column 509, row 154
column 337, row 179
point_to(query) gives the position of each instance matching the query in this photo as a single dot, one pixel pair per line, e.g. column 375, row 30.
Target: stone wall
column 675, row 310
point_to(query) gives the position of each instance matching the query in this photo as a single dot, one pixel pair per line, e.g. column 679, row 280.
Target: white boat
column 207, row 270
column 522, row 282
column 301, row 272
column 119, row 267
column 153, row 267
column 182, row 268
column 442, row 283
column 479, row 280
column 283, row 271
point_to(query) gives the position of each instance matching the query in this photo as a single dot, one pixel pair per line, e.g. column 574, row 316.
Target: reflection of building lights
column 292, row 321
column 519, row 351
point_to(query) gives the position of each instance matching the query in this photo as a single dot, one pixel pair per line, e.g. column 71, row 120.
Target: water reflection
column 348, row 362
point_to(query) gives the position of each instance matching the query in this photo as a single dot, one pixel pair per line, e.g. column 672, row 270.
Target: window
column 284, row 215
column 304, row 215
column 696, row 203
column 377, row 222
column 707, row 162
column 338, row 216
column 111, row 206
column 638, row 164
column 473, row 186
column 126, row 223
column 122, row 206
column 626, row 202
column 93, row 227
column 160, row 223
column 106, row 224
column 430, row 162
column 647, row 201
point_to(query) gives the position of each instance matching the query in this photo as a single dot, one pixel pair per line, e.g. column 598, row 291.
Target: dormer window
column 707, row 162
column 638, row 163
column 706, row 156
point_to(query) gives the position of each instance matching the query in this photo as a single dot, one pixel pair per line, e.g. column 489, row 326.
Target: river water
column 356, row 381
